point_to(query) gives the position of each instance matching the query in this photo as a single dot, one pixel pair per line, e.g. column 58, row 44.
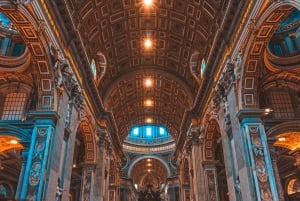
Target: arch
column 23, row 134
column 209, row 141
column 263, row 31
column 34, row 36
column 148, row 156
column 89, row 141
column 289, row 126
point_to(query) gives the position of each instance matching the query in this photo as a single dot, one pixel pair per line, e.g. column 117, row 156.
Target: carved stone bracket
column 238, row 65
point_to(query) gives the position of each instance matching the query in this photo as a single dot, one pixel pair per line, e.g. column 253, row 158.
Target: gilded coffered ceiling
column 117, row 29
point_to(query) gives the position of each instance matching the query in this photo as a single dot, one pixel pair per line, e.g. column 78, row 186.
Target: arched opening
column 84, row 154
column 78, row 160
column 149, row 177
column 214, row 152
column 10, row 166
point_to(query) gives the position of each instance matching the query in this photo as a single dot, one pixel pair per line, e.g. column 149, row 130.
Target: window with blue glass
column 4, row 20
column 148, row 134
column 203, row 67
column 93, row 68
column 286, row 39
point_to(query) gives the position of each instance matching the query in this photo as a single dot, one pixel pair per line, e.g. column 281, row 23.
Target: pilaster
column 87, row 182
column 260, row 168
column 35, row 182
column 193, row 148
column 101, row 182
column 210, row 178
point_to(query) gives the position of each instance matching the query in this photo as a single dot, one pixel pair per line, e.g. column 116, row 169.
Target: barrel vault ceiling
column 117, row 30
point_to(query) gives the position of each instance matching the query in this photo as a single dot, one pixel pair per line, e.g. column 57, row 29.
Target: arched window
column 286, row 39
column 203, row 67
column 11, row 43
column 93, row 69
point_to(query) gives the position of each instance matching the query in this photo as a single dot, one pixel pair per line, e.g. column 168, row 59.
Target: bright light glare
column 148, row 102
column 281, row 139
column 148, row 43
column 148, row 82
column 13, row 142
column 268, row 110
column 149, row 120
column 148, row 2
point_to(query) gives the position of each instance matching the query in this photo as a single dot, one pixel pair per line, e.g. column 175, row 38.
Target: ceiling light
column 281, row 139
column 148, row 102
column 149, row 160
column 149, row 120
column 148, row 2
column 74, row 165
column 268, row 110
column 13, row 142
column 148, row 82
column 148, row 43
column 149, row 165
column 149, row 170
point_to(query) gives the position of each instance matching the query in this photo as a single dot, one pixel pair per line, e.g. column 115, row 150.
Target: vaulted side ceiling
column 118, row 28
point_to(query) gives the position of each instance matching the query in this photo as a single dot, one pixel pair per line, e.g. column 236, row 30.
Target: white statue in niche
column 60, row 64
column 238, row 65
column 238, row 190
